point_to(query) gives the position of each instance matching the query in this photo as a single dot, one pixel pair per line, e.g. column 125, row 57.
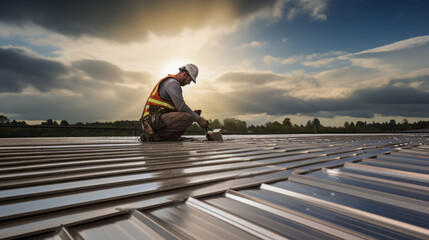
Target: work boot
column 146, row 138
column 147, row 135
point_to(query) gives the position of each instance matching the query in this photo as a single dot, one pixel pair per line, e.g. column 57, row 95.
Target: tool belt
column 154, row 118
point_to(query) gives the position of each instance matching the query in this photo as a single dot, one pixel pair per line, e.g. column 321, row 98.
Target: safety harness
column 156, row 106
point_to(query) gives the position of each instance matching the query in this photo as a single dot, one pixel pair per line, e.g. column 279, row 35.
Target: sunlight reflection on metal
column 293, row 186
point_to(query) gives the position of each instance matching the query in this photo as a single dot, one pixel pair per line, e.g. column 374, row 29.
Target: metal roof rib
column 349, row 186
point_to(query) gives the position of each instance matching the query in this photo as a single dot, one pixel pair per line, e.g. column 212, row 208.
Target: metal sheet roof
column 246, row 187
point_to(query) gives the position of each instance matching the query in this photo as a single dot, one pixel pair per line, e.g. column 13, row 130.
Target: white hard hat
column 192, row 70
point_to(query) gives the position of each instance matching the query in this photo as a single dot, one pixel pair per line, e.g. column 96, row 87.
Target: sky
column 259, row 61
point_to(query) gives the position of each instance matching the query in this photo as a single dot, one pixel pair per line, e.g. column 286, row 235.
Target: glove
column 203, row 123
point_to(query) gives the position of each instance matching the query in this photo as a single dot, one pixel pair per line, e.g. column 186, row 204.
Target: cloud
column 144, row 46
column 290, row 82
column 418, row 79
column 378, row 69
column 102, row 104
column 374, row 67
column 130, row 20
column 400, row 45
column 19, row 68
column 323, row 59
column 371, row 68
column 339, row 82
column 108, row 72
column 253, row 44
column 400, row 57
column 299, row 93
column 85, row 78
column 33, row 88
column 414, row 90
column 252, row 78
column 119, row 102
column 385, row 101
column 319, row 63
column 278, row 60
column 100, row 70
column 315, row 8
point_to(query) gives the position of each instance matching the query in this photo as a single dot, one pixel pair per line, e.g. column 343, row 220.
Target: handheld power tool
column 214, row 135
column 211, row 135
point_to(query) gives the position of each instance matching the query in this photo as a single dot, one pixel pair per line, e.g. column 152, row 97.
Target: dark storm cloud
column 20, row 68
column 126, row 20
column 84, row 88
column 422, row 81
column 108, row 72
column 100, row 70
column 391, row 95
column 395, row 98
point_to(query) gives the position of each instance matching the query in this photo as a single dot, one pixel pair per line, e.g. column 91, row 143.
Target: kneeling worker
column 166, row 115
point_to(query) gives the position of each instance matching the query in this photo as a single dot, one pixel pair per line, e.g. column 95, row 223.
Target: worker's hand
column 202, row 122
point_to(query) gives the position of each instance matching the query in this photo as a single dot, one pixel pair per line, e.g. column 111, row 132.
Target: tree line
column 233, row 125
column 51, row 128
column 228, row 125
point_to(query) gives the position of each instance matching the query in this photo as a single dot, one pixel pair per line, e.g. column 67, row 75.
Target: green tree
column 215, row 124
column 234, row 125
column 392, row 125
column 360, row 126
column 346, row 125
column 352, row 127
column 274, row 127
column 287, row 122
column 64, row 123
column 49, row 122
column 316, row 124
column 4, row 119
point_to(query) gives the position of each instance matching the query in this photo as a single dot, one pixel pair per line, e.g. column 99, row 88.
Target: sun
column 172, row 67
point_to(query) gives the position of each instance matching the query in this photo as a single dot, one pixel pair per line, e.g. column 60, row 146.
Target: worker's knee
column 188, row 118
column 178, row 119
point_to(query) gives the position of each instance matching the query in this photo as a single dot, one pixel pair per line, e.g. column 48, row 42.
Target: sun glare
column 172, row 67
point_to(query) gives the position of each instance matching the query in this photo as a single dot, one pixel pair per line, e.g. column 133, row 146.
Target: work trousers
column 176, row 124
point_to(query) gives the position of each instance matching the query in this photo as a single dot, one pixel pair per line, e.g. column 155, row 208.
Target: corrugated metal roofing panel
column 132, row 226
column 313, row 186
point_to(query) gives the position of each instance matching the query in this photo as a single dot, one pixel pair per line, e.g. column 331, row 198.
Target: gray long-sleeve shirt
column 171, row 90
